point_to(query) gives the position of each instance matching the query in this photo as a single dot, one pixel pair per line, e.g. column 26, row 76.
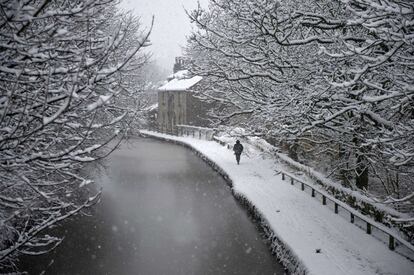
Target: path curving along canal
column 163, row 211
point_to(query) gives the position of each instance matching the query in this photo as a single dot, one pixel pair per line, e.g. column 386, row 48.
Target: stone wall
column 197, row 111
column 180, row 108
column 172, row 110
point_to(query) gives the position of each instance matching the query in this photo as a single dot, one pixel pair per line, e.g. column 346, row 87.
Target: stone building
column 177, row 104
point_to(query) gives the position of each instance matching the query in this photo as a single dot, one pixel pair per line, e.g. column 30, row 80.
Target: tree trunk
column 293, row 150
column 361, row 179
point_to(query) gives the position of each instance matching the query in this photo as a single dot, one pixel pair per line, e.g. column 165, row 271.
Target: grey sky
column 171, row 25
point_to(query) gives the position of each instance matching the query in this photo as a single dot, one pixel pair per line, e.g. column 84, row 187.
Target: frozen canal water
column 163, row 211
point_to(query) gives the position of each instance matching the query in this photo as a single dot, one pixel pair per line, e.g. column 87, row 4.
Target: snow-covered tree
column 372, row 79
column 67, row 78
column 261, row 58
column 336, row 75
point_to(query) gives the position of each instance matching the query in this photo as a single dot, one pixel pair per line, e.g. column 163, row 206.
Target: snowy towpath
column 299, row 221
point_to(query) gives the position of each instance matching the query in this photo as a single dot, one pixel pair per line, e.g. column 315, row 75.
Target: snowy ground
column 300, row 221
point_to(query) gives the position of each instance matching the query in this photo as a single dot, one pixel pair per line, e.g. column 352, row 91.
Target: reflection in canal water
column 163, row 211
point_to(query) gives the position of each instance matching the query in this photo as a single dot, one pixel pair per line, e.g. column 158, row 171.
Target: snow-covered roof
column 180, row 81
column 179, row 75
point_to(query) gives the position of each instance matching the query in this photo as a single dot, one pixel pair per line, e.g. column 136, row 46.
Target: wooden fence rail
column 392, row 236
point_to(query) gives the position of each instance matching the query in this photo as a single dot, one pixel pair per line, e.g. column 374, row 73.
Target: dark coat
column 238, row 148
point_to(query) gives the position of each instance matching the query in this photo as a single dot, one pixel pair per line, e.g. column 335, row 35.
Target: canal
column 163, row 211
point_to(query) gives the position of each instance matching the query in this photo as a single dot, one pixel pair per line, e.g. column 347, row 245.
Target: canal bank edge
column 281, row 250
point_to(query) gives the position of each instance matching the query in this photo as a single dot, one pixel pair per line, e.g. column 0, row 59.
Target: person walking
column 238, row 149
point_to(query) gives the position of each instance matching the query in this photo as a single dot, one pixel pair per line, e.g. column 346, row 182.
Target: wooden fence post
column 323, row 200
column 336, row 208
column 313, row 192
column 352, row 218
column 369, row 229
column 283, row 176
column 292, row 181
column 391, row 243
column 303, row 186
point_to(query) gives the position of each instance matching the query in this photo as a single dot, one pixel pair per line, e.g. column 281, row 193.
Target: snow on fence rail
column 393, row 239
column 196, row 132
